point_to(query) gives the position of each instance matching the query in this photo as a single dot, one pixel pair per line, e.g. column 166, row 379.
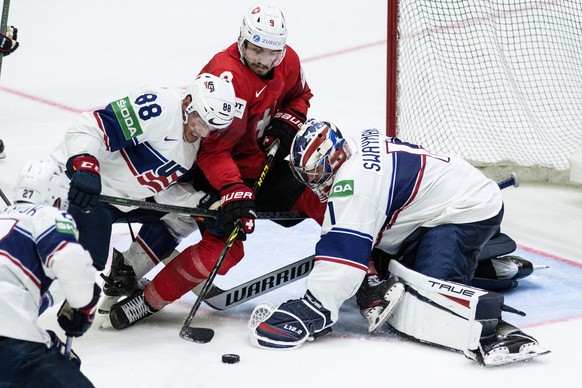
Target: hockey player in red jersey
column 272, row 99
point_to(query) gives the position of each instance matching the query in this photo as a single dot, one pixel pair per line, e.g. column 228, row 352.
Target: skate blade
column 396, row 293
column 503, row 359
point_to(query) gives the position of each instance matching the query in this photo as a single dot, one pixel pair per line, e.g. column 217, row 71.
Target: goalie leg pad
column 289, row 325
column 430, row 305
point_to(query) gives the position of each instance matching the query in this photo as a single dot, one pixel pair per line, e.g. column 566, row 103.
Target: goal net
column 498, row 82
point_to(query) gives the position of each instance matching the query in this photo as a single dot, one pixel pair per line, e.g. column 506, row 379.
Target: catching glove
column 75, row 322
column 284, row 126
column 83, row 171
column 8, row 43
column 237, row 202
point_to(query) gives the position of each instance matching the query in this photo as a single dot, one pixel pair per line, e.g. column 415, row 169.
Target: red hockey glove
column 284, row 126
column 75, row 322
column 237, row 202
column 83, row 170
column 8, row 43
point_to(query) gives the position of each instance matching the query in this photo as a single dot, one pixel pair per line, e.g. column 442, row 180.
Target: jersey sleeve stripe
column 15, row 263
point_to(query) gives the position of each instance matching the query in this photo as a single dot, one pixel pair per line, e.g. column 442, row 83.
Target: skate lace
column 136, row 309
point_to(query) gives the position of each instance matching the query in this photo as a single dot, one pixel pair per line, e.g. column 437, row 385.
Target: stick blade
column 200, row 335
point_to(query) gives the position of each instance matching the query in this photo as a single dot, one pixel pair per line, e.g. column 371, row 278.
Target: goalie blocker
column 459, row 317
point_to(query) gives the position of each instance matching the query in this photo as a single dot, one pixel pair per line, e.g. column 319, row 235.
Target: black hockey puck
column 230, row 358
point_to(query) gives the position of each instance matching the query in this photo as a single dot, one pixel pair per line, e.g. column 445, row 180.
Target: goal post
column 498, row 82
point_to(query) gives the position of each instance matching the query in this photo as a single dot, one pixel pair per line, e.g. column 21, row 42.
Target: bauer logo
column 342, row 189
column 126, row 118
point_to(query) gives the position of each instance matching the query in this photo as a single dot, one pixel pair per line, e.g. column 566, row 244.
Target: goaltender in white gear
column 380, row 193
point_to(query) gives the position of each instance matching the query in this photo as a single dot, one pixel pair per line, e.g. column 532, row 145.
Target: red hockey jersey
column 235, row 153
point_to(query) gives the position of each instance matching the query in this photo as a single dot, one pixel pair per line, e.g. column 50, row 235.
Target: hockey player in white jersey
column 38, row 244
column 140, row 146
column 433, row 213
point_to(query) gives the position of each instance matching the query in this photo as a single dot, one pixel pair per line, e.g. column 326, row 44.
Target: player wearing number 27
column 38, row 245
column 432, row 214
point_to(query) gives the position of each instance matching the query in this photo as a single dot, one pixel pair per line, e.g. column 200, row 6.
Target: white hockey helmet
column 317, row 152
column 41, row 182
column 214, row 100
column 264, row 26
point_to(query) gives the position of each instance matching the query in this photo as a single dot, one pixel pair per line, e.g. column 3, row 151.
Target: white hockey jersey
column 37, row 245
column 385, row 191
column 138, row 141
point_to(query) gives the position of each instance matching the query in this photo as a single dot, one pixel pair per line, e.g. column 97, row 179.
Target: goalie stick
column 193, row 211
column 202, row 334
column 220, row 299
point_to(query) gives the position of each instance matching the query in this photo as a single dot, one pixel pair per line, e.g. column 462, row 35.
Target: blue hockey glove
column 289, row 325
column 83, row 171
column 75, row 322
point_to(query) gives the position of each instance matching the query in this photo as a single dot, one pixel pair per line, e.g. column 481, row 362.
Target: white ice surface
column 77, row 56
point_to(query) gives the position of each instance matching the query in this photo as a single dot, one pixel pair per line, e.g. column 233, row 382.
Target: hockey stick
column 68, row 347
column 511, row 181
column 197, row 212
column 220, row 299
column 4, row 198
column 201, row 334
column 193, row 211
column 4, row 23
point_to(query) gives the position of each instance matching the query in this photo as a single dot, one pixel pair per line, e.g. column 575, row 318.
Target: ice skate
column 509, row 344
column 130, row 310
column 377, row 300
column 121, row 281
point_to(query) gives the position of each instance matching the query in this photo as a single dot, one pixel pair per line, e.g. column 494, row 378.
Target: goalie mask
column 214, row 100
column 41, row 182
column 317, row 152
column 264, row 26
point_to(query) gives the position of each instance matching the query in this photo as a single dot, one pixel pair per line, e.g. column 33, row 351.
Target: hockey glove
column 75, row 322
column 289, row 325
column 211, row 201
column 284, row 126
column 8, row 43
column 58, row 346
column 83, row 171
column 237, row 202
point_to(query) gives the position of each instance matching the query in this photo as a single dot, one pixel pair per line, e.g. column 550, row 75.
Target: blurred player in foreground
column 38, row 244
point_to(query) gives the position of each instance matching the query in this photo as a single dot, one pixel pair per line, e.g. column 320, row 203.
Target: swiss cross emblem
column 249, row 224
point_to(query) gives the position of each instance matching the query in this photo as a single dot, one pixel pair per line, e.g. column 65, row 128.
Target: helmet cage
column 317, row 152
